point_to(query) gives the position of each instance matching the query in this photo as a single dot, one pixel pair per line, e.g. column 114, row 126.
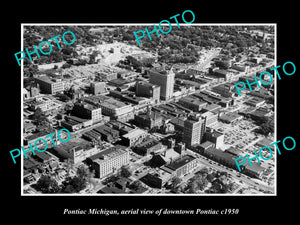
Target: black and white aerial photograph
column 147, row 111
column 175, row 112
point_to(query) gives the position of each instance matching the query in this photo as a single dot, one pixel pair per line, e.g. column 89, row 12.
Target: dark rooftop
column 43, row 155
column 177, row 121
column 230, row 116
column 180, row 162
column 224, row 155
column 108, row 190
column 255, row 167
column 234, row 151
column 76, row 145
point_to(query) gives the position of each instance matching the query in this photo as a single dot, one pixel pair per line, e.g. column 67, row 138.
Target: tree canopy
column 46, row 184
column 39, row 117
column 125, row 172
column 198, row 182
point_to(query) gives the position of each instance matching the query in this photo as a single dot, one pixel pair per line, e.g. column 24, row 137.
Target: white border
column 145, row 24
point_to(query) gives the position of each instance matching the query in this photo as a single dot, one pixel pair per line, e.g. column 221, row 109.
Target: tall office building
column 164, row 79
column 148, row 90
column 194, row 129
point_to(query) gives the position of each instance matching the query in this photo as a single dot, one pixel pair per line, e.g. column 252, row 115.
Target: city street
column 235, row 174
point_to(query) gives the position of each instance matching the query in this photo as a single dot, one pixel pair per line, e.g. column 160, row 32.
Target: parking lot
column 238, row 134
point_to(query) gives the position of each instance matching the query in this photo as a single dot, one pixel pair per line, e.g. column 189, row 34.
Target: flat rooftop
column 87, row 105
column 208, row 114
column 222, row 154
column 193, row 100
column 151, row 115
column 121, row 126
column 255, row 167
column 230, row 116
column 78, row 145
column 206, row 144
column 216, row 133
column 211, row 107
column 134, row 133
column 109, row 153
column 48, row 79
column 180, row 162
column 112, row 103
column 255, row 100
column 147, row 84
column 177, row 121
column 43, row 155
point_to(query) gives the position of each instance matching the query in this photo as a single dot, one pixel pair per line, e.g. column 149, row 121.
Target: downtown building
column 148, row 90
column 88, row 111
column 76, row 151
column 50, row 85
column 181, row 166
column 97, row 88
column 109, row 161
column 194, row 130
column 164, row 79
column 115, row 109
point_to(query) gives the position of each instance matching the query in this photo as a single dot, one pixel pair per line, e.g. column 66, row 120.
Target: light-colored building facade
column 97, row 88
column 192, row 103
column 76, row 152
column 109, row 161
column 181, row 166
column 46, row 104
column 194, row 128
column 31, row 139
column 116, row 109
column 50, row 86
column 211, row 118
column 166, row 82
column 134, row 137
column 113, row 108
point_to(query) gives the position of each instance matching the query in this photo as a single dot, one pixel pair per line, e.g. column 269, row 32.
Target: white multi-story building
column 193, row 131
column 50, row 85
column 113, row 108
column 109, row 161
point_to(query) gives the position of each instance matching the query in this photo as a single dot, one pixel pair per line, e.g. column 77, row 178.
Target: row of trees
column 218, row 180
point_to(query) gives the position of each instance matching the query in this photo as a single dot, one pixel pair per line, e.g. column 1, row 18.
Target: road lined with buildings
column 234, row 174
column 146, row 118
